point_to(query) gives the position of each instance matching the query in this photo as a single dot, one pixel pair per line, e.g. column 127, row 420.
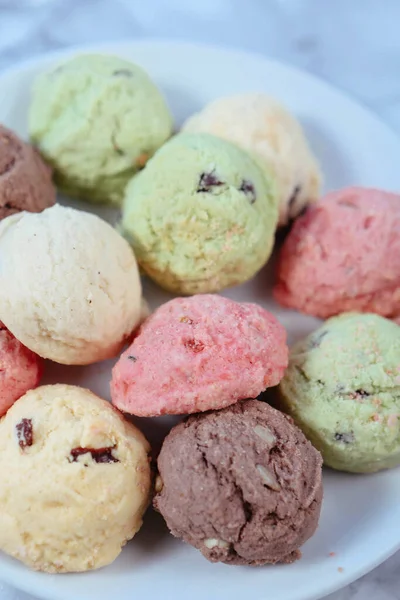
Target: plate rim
column 116, row 47
column 108, row 45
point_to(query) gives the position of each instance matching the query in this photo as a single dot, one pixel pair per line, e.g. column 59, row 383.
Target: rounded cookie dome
column 69, row 285
column 242, row 485
column 68, row 458
column 201, row 216
column 97, row 119
column 342, row 389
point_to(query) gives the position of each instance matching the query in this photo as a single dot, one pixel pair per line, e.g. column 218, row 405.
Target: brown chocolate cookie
column 25, row 180
column 243, row 485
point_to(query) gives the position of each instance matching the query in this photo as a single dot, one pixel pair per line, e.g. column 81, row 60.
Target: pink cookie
column 343, row 255
column 199, row 353
column 20, row 369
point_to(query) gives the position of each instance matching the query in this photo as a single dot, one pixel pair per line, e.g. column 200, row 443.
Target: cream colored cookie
column 75, row 480
column 69, row 285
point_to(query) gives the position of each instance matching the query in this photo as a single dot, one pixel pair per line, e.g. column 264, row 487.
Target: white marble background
column 354, row 44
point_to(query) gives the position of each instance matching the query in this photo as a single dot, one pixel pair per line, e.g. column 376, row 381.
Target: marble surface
column 354, row 44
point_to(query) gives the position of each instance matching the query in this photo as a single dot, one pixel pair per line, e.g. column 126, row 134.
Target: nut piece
column 213, row 542
column 159, row 484
column 268, row 478
column 265, row 434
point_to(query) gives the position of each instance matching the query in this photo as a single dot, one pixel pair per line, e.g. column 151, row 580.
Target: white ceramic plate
column 360, row 516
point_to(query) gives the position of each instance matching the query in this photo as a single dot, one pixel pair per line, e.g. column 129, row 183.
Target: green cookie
column 201, row 216
column 96, row 119
column 342, row 387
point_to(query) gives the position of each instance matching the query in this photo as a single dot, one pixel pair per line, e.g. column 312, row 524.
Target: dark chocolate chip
column 132, row 358
column 362, row 393
column 248, row 188
column 194, row 345
column 99, row 455
column 123, row 73
column 346, row 438
column 24, row 433
column 208, row 181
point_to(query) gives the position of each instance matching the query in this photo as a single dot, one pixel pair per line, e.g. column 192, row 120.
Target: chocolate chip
column 316, row 340
column 208, row 181
column 194, row 345
column 24, row 433
column 362, row 393
column 294, row 197
column 346, row 438
column 99, row 455
column 248, row 188
column 123, row 73
column 132, row 358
